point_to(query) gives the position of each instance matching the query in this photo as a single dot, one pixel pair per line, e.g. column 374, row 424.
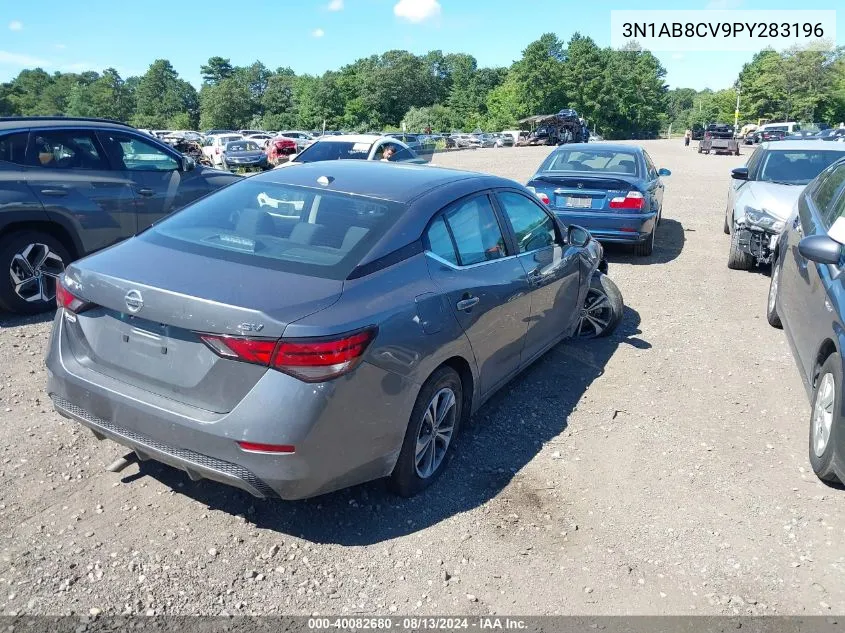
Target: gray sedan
column 313, row 328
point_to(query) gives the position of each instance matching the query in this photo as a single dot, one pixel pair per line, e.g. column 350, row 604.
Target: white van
column 790, row 127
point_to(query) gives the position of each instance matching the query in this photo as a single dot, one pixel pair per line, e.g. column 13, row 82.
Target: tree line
column 621, row 93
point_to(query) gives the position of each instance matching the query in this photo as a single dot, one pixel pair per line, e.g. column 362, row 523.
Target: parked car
column 303, row 139
column 769, row 135
column 763, row 192
column 280, row 149
column 244, row 154
column 806, row 299
column 352, row 147
column 246, row 133
column 262, row 139
column 614, row 191
column 214, row 145
column 216, row 132
column 502, row 140
column 387, row 305
column 73, row 186
column 410, row 140
column 831, row 135
column 801, row 135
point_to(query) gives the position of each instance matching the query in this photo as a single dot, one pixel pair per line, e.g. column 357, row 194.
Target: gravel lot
column 661, row 471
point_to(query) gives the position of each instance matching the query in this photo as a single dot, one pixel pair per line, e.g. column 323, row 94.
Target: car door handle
column 147, row 193
column 467, row 303
column 54, row 192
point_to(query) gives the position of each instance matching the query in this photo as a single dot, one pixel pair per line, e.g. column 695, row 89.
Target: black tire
column 738, row 260
column 406, row 480
column 27, row 244
column 772, row 315
column 825, row 465
column 646, row 248
column 601, row 285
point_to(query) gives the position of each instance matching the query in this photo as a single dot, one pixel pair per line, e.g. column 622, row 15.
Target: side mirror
column 188, row 163
column 663, row 172
column 740, row 173
column 578, row 236
column 821, row 249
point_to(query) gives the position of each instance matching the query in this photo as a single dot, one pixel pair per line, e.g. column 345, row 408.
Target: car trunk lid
column 581, row 193
column 146, row 317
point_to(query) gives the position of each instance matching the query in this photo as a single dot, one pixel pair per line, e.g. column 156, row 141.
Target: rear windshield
column 242, row 146
column 796, row 167
column 604, row 161
column 293, row 229
column 334, row 150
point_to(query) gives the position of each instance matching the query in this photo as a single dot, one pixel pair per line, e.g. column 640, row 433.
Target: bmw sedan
column 807, row 299
column 313, row 328
column 614, row 191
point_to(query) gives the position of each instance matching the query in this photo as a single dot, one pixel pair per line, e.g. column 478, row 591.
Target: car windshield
column 606, row 161
column 242, row 146
column 796, row 167
column 334, row 150
column 292, row 229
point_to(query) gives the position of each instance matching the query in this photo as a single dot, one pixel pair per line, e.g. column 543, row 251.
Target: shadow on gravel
column 9, row 320
column 501, row 439
column 668, row 245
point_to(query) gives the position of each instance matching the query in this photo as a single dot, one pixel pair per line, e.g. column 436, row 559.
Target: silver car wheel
column 436, row 430
column 595, row 315
column 823, row 413
column 773, row 288
column 34, row 272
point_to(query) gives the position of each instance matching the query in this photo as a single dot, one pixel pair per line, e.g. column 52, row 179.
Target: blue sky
column 313, row 36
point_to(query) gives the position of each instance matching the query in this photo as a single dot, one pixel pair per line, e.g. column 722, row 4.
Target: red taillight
column 634, row 201
column 318, row 360
column 543, row 198
column 312, row 360
column 254, row 447
column 67, row 300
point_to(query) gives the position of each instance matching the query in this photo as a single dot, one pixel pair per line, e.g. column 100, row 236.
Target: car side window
column 60, row 149
column 475, row 231
column 652, row 170
column 825, row 194
column 753, row 162
column 13, row 148
column 132, row 153
column 440, row 241
column 532, row 226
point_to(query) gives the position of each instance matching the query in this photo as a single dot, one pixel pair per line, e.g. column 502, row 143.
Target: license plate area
column 575, row 202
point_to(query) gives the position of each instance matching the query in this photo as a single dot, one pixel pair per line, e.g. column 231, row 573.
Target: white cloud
column 336, row 5
column 20, row 59
column 16, row 25
column 417, row 10
column 318, row 33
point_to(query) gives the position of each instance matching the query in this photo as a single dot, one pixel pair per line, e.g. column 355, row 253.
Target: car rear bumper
column 612, row 227
column 345, row 431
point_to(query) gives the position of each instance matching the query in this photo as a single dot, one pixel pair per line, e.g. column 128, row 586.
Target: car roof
column 11, row 123
column 802, row 144
column 614, row 147
column 375, row 179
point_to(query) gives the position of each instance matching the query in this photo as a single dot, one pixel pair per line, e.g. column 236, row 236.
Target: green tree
column 436, row 117
column 539, row 75
column 107, row 97
column 161, row 96
column 216, row 70
column 226, row 105
column 26, row 90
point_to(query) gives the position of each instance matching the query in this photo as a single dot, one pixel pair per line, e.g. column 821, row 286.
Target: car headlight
column 764, row 220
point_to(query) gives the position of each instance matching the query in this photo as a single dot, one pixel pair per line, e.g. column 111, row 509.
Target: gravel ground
column 661, row 471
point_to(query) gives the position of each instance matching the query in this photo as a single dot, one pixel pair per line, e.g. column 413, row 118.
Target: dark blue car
column 614, row 191
column 807, row 299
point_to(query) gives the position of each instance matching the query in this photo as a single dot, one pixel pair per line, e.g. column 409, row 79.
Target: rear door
column 72, row 177
column 551, row 268
column 654, row 184
column 484, row 284
column 156, row 173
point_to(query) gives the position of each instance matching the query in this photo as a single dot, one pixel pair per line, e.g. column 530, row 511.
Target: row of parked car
column 786, row 211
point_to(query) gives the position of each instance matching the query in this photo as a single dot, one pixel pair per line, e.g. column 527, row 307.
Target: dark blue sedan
column 244, row 154
column 614, row 191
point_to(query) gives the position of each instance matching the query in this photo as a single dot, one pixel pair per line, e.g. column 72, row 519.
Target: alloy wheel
column 436, row 430
column 823, row 413
column 34, row 272
column 595, row 315
column 773, row 288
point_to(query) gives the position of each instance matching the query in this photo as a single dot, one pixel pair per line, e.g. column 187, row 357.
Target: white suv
column 215, row 144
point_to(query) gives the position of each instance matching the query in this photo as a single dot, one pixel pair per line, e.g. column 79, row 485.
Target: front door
column 156, row 174
column 484, row 284
column 71, row 176
column 551, row 267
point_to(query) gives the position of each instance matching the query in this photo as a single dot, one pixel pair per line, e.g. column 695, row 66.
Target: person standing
column 687, row 137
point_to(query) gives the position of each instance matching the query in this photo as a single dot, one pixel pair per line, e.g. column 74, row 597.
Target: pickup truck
column 719, row 139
